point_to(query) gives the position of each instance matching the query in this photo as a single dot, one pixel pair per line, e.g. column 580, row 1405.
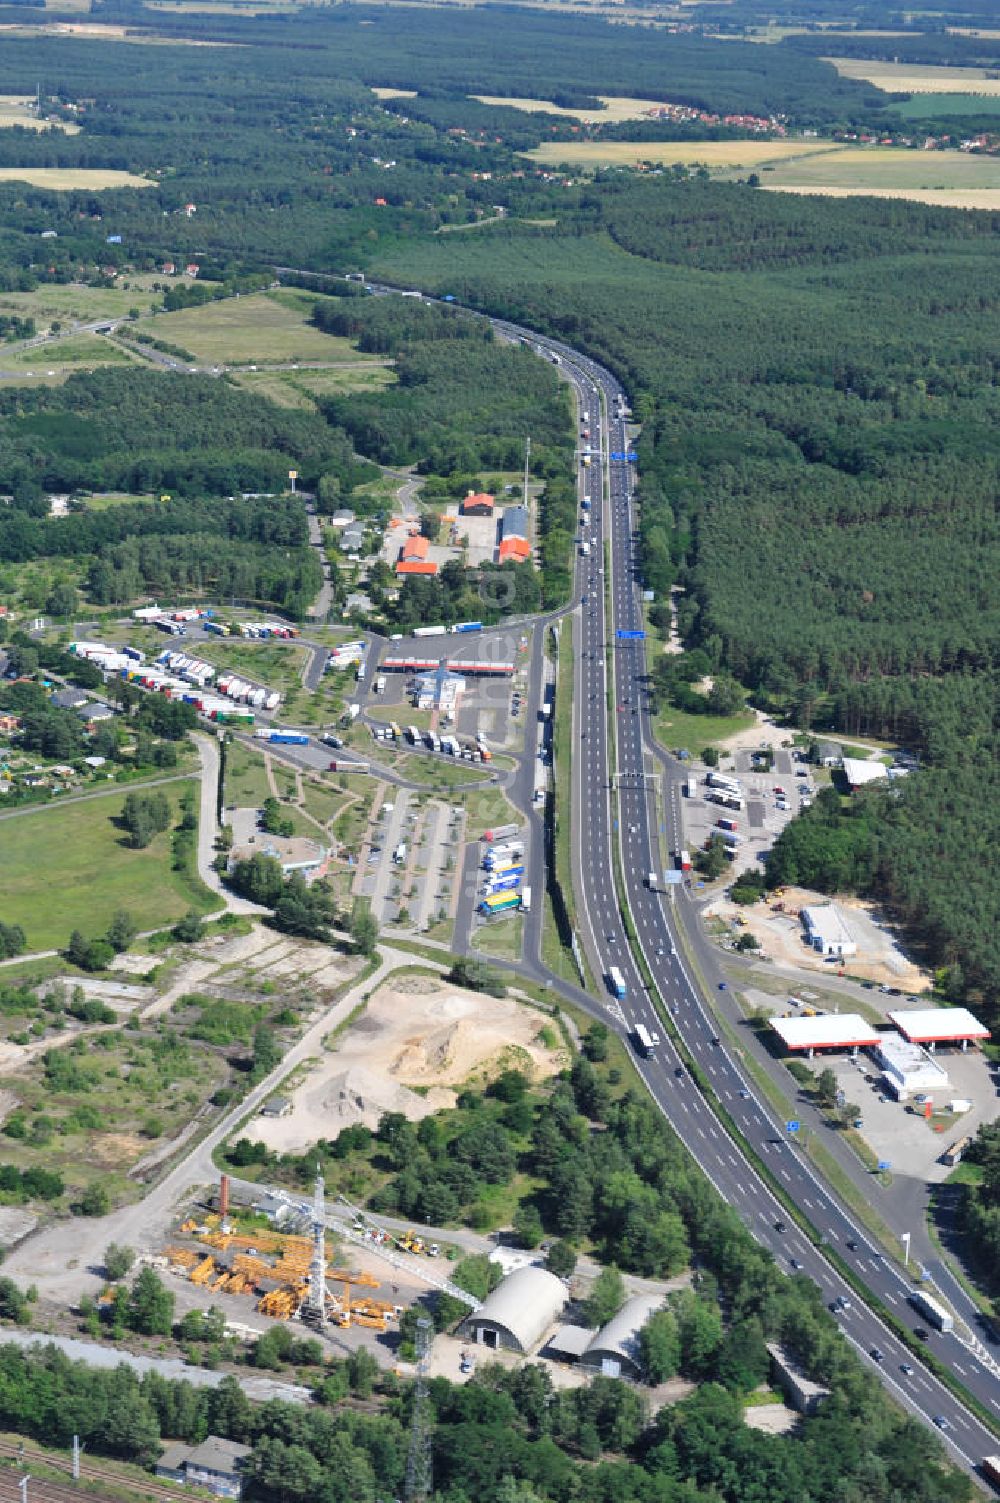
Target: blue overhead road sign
column 631, row 636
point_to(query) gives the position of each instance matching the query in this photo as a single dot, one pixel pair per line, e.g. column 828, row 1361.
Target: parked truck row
column 468, row 751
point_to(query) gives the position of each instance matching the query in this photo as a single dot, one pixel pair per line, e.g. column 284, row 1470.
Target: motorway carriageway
column 633, row 826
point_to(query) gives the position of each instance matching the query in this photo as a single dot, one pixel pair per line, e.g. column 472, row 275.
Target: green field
column 300, row 388
column 67, row 868
column 943, row 106
column 887, row 167
column 62, row 356
column 266, row 327
column 695, row 732
column 75, row 302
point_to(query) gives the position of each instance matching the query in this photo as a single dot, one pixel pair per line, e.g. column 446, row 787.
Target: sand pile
column 417, row 1043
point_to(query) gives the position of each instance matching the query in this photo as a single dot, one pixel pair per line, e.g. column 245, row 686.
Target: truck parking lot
column 762, row 803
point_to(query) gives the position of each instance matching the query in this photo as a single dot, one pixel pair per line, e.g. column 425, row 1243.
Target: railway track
column 59, row 1492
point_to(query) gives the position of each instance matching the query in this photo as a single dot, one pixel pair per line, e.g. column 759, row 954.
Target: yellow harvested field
column 395, row 93
column 918, row 78
column 667, row 153
column 616, row 108
column 66, row 178
column 18, row 109
column 942, row 198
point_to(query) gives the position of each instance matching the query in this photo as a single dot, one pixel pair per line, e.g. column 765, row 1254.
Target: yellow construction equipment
column 280, row 1304
column 345, row 1276
column 376, row 1322
column 203, row 1271
column 183, row 1257
column 253, row 1269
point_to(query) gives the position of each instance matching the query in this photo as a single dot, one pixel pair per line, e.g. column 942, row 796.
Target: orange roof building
column 414, row 549
column 518, row 549
column 416, row 566
column 477, row 504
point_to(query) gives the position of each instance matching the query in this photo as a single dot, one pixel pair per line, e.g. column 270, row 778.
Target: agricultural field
column 17, row 109
column 265, row 327
column 941, row 198
column 875, row 169
column 394, row 93
column 72, row 179
column 948, row 106
column 918, row 78
column 713, row 154
column 616, row 108
column 67, row 866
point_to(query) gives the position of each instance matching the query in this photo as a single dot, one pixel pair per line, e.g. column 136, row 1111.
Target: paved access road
column 625, row 824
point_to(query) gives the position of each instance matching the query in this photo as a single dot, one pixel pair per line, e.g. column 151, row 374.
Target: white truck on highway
column 932, row 1310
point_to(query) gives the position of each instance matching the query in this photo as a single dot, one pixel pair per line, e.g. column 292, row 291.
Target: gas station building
column 939, row 1025
column 831, row 1030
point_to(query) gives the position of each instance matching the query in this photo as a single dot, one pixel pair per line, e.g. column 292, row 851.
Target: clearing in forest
column 18, row 109
column 67, row 179
column 262, row 327
column 616, row 108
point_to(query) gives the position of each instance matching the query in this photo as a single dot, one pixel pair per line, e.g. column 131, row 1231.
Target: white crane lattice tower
column 317, row 1273
column 419, row 1465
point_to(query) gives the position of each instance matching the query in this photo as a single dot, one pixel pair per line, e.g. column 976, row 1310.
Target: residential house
column 477, row 504
column 215, row 1464
column 413, row 557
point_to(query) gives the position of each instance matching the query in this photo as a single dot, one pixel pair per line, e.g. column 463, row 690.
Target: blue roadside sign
column 793, row 1126
column 885, row 1164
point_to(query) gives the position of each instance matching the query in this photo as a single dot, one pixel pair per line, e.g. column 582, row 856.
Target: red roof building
column 518, row 549
column 477, row 504
column 414, row 549
column 416, row 566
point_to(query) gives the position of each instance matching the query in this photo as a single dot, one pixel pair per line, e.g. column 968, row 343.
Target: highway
column 627, row 823
column 622, row 826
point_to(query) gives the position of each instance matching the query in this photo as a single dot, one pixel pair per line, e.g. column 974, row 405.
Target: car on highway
column 942, row 1422
column 877, row 1355
column 794, row 1262
column 781, row 1226
column 906, row 1367
column 921, row 1333
column 723, row 986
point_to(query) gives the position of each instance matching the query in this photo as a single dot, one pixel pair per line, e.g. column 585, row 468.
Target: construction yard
column 776, row 926
column 418, row 1042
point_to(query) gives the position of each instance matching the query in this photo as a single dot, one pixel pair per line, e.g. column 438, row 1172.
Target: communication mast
column 419, row 1472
